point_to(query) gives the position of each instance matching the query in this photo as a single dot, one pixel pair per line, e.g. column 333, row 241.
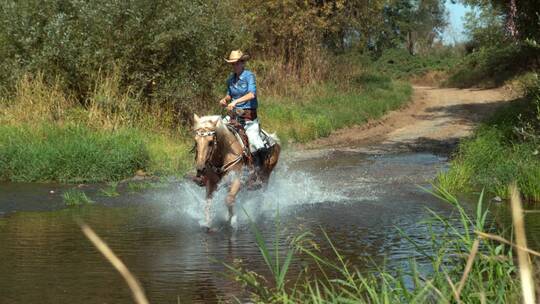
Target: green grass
column 493, row 277
column 329, row 108
column 74, row 197
column 110, row 190
column 169, row 153
column 69, row 154
column 505, row 148
column 65, row 142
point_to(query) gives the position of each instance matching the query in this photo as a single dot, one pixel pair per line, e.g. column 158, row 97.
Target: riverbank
column 434, row 121
column 502, row 150
column 49, row 137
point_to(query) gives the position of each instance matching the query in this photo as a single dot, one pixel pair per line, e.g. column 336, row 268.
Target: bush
column 492, row 66
column 399, row 63
column 69, row 154
column 167, row 51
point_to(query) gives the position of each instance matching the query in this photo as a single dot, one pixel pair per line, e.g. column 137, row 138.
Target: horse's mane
column 207, row 122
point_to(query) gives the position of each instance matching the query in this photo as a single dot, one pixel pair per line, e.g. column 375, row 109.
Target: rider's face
column 238, row 67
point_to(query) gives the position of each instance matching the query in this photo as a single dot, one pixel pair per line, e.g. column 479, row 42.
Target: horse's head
column 205, row 140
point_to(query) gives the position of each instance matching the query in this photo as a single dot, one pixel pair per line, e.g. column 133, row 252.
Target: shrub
column 168, row 51
column 492, row 66
column 399, row 63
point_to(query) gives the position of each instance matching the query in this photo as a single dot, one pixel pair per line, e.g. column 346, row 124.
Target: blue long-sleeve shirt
column 238, row 87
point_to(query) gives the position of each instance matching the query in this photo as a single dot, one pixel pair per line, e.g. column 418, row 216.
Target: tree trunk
column 410, row 43
column 511, row 27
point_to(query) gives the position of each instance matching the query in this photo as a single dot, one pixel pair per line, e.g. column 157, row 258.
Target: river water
column 358, row 199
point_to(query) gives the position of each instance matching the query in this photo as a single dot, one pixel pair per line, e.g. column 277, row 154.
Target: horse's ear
column 196, row 118
column 215, row 122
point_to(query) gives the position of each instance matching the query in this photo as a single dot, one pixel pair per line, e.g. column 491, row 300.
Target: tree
column 414, row 22
column 522, row 18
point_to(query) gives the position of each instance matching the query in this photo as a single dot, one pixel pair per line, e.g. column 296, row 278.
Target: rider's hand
column 223, row 102
column 230, row 107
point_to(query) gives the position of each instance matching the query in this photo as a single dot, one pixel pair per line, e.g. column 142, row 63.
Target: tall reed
column 465, row 268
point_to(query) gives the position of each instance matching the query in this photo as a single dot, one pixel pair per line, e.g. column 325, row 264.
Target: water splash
column 286, row 190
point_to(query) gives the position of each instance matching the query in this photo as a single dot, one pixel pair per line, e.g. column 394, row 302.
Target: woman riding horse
column 241, row 102
column 219, row 152
column 220, row 155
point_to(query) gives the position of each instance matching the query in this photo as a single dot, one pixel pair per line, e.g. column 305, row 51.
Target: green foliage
column 492, row 66
column 330, row 108
column 411, row 24
column 110, row 190
column 47, row 137
column 504, row 149
column 491, row 279
column 167, row 51
column 293, row 30
column 277, row 264
column 169, row 154
column 526, row 18
column 399, row 63
column 484, row 28
column 69, row 154
column 75, row 197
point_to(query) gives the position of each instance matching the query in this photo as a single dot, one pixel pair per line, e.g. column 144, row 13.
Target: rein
column 208, row 163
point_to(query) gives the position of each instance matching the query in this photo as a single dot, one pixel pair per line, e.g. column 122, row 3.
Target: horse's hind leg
column 231, row 196
column 269, row 163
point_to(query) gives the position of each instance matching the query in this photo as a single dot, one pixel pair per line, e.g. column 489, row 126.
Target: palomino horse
column 221, row 155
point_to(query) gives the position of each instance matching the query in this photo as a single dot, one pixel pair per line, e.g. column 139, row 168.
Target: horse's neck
column 226, row 144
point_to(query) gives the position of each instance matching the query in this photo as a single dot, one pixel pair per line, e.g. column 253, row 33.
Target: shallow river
column 358, row 199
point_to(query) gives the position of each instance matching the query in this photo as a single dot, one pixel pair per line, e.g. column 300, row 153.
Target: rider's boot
column 258, row 162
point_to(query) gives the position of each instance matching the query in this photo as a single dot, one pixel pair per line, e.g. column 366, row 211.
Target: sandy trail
column 435, row 120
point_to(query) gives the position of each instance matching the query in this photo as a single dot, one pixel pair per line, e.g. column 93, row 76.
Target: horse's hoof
column 233, row 221
column 210, row 230
column 198, row 180
column 256, row 185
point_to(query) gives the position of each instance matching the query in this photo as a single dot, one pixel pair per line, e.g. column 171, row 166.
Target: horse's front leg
column 211, row 186
column 234, row 188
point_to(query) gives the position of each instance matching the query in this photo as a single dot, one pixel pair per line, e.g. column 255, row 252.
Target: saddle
column 238, row 130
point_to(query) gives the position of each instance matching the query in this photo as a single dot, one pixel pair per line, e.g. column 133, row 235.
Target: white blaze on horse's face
column 205, row 139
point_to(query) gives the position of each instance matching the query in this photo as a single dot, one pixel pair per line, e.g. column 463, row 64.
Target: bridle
column 214, row 143
column 201, row 133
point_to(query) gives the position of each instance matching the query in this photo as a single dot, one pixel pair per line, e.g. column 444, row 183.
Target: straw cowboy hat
column 237, row 55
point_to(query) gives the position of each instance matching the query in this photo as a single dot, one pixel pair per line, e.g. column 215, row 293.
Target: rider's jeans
column 254, row 135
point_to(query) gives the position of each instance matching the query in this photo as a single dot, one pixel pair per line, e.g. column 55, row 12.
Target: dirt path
column 434, row 121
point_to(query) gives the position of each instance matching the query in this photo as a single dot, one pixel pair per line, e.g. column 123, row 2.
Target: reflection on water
column 358, row 199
